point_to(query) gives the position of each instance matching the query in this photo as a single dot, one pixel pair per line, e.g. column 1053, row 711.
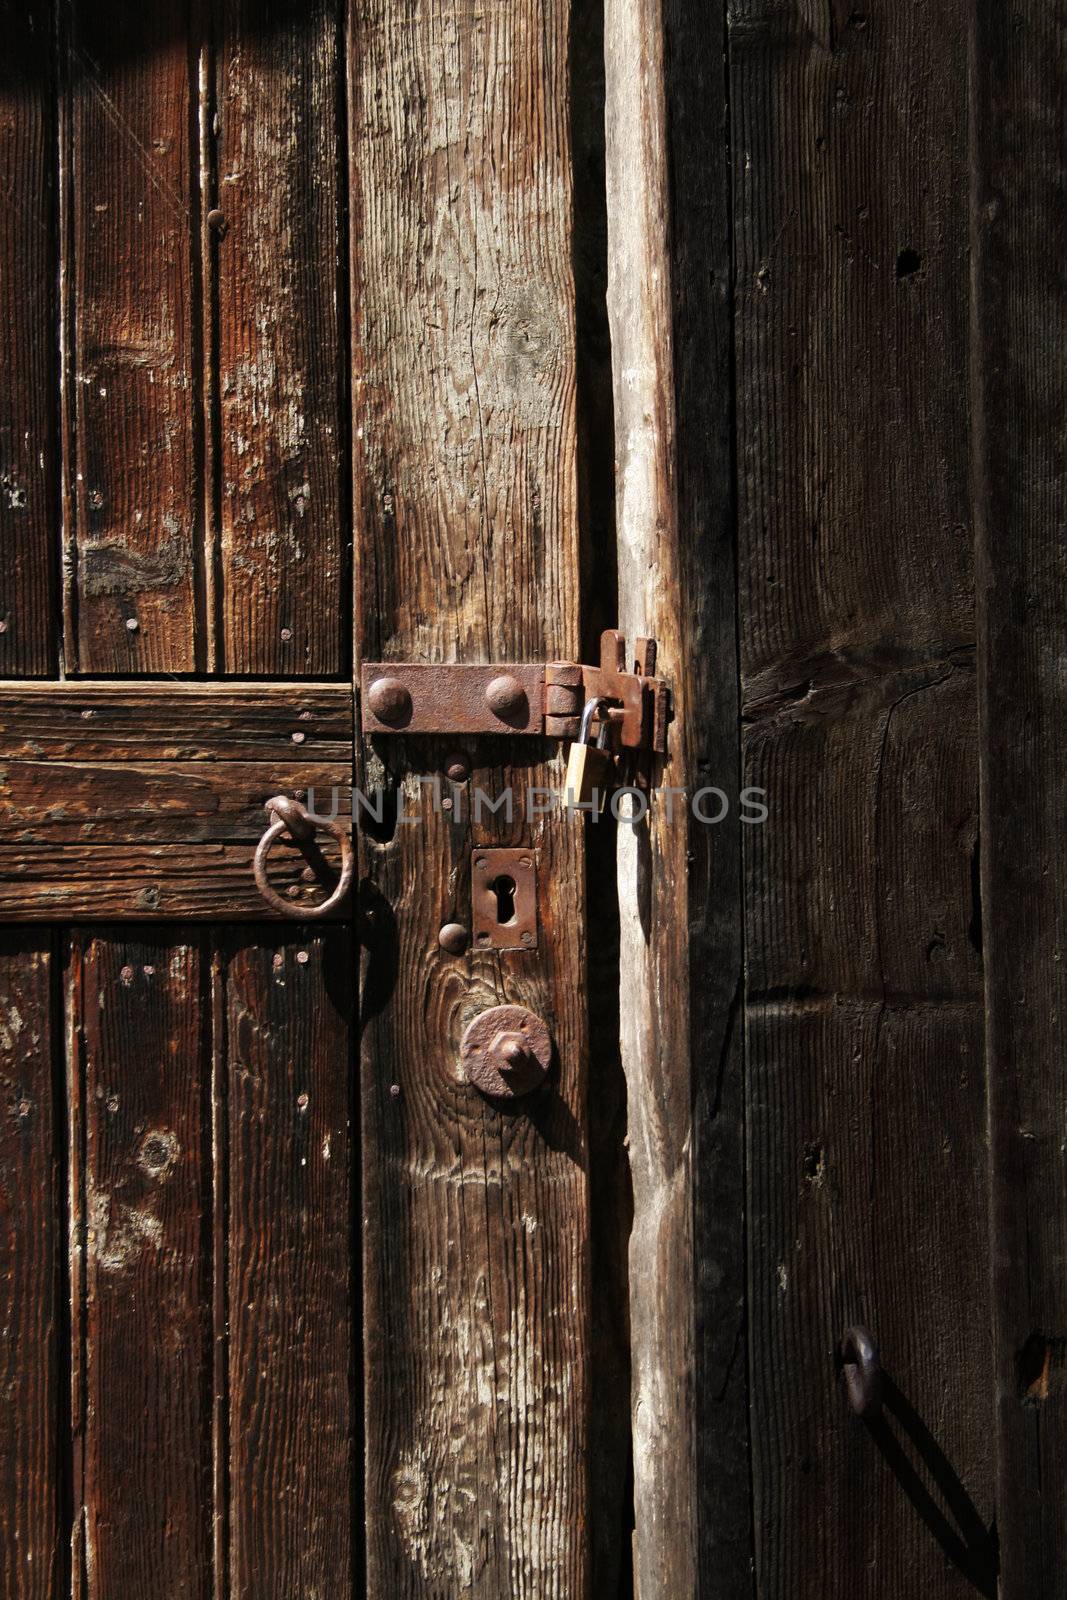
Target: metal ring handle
column 292, row 818
column 862, row 1367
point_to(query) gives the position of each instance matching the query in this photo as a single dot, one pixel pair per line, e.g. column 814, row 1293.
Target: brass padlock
column 590, row 767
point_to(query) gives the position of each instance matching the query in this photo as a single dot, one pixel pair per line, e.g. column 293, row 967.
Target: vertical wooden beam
column 143, row 1216
column 867, row 1178
column 475, row 1217
column 28, row 397
column 31, row 1462
column 286, row 1012
column 275, row 247
column 1020, row 72
column 652, row 853
column 132, row 498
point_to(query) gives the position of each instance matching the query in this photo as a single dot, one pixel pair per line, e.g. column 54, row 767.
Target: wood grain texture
column 289, row 1103
column 145, row 883
column 176, row 802
column 283, row 453
column 132, row 505
column 707, row 726
column 863, row 1020
column 653, row 966
column 1020, row 474
column 31, row 1565
column 133, row 501
column 118, row 721
column 28, row 254
column 475, row 1219
column 142, row 1513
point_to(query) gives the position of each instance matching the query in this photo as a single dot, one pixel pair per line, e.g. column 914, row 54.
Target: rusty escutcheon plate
column 506, row 1052
column 504, row 697
column 504, row 881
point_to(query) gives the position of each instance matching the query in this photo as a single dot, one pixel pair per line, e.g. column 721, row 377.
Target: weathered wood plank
column 849, row 136
column 475, row 1220
column 290, row 1105
column 144, row 1513
column 282, row 361
column 137, row 883
column 1021, row 475
column 28, row 254
column 175, row 802
column 653, row 967
column 133, row 513
column 31, row 1565
column 867, row 1171
column 669, row 273
column 111, row 721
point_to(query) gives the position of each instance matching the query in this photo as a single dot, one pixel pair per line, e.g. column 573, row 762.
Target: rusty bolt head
column 506, row 698
column 454, row 938
column 457, row 767
column 390, row 701
column 506, row 1052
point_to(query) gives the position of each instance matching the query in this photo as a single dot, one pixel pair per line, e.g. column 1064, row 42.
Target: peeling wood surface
column 1020, row 472
column 475, row 1218
column 282, row 363
column 28, row 254
column 867, row 1185
column 31, row 1229
column 131, row 350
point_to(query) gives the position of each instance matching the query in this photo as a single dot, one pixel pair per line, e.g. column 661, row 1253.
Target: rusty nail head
column 390, row 701
column 457, row 767
column 506, row 697
column 454, row 938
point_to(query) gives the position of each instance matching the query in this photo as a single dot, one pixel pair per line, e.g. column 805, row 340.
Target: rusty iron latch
column 544, row 699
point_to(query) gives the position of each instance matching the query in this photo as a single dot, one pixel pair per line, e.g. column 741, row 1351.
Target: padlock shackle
column 589, row 711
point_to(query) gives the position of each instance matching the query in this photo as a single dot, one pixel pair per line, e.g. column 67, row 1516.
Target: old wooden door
column 290, row 351
column 337, row 331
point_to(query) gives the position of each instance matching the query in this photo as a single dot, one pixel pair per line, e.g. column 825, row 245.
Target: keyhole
column 504, row 889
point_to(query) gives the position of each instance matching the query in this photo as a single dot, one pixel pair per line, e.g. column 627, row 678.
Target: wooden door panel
column 212, row 1360
column 274, row 266
column 28, row 255
column 475, row 1244
column 141, row 1121
column 286, row 1081
column 1019, row 466
column 132, row 361
column 866, row 1107
column 32, row 1181
column 146, row 801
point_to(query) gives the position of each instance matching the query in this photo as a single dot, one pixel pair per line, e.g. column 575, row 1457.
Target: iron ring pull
column 290, row 817
column 862, row 1367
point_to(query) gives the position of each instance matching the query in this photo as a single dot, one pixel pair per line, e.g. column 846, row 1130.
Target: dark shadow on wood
column 969, row 1545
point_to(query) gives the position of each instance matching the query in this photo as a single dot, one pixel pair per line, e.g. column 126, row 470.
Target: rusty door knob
column 862, row 1367
column 289, row 816
column 506, row 1052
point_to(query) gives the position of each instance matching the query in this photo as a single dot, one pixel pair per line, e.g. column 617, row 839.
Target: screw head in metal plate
column 506, row 698
column 390, row 701
column 506, row 1052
